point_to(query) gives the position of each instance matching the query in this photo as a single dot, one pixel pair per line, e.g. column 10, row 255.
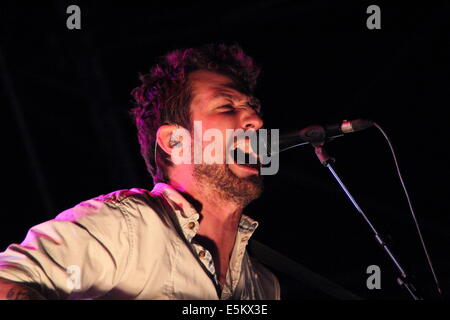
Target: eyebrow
column 252, row 101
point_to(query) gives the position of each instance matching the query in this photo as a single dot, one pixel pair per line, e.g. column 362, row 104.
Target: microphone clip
column 323, row 156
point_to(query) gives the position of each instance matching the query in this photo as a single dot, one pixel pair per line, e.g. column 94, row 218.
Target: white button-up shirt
column 124, row 245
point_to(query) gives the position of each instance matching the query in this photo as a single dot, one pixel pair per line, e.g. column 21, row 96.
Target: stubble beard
column 229, row 187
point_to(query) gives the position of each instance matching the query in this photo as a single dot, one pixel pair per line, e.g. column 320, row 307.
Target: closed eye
column 227, row 108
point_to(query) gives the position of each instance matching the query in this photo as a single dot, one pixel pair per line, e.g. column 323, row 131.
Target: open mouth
column 247, row 159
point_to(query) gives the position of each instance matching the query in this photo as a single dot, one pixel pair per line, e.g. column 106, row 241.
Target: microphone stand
column 327, row 161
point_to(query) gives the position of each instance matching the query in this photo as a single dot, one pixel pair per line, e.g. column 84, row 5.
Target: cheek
column 218, row 126
column 214, row 140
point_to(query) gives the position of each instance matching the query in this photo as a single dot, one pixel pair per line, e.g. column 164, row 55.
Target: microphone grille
column 355, row 125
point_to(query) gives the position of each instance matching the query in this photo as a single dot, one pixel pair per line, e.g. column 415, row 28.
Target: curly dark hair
column 165, row 95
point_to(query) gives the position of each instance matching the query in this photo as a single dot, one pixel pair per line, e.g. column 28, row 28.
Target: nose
column 252, row 121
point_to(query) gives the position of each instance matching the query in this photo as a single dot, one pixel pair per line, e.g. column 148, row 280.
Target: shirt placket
column 207, row 260
column 234, row 271
column 188, row 217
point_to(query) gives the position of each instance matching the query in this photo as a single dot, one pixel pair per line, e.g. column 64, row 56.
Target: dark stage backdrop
column 67, row 135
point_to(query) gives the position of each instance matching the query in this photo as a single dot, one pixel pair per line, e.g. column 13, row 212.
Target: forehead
column 207, row 85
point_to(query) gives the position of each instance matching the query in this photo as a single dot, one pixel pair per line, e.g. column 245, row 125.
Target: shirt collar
column 188, row 217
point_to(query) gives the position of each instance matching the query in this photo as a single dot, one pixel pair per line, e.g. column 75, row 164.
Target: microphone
column 317, row 134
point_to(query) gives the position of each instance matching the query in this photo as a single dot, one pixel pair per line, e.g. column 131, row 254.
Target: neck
column 218, row 223
column 219, row 216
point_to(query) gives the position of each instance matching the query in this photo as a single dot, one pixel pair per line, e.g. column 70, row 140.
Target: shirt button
column 191, row 225
column 202, row 254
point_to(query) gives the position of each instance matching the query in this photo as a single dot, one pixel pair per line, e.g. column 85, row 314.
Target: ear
column 163, row 137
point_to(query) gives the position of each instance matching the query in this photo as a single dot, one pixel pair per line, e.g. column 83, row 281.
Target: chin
column 232, row 183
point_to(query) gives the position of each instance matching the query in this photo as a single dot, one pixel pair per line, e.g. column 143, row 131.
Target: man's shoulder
column 119, row 196
column 116, row 203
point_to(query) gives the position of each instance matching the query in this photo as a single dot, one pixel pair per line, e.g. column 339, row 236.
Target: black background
column 67, row 135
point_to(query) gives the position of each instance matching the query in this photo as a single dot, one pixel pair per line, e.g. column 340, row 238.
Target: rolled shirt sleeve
column 81, row 254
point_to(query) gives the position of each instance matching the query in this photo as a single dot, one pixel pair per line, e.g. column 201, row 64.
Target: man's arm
column 10, row 290
column 81, row 254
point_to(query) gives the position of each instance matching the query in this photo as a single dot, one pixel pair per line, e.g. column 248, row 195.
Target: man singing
column 185, row 239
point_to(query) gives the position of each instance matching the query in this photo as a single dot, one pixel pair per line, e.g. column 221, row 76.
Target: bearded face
column 218, row 104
